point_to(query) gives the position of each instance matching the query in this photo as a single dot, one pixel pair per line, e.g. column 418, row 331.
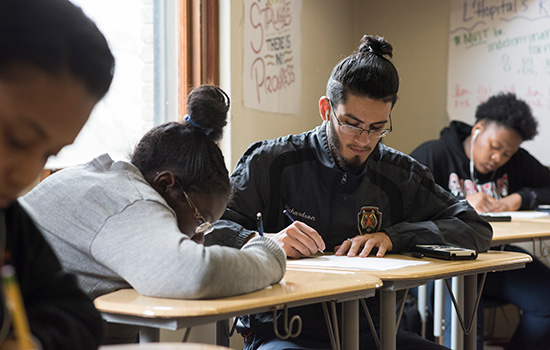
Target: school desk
column 520, row 230
column 297, row 288
column 163, row 346
column 413, row 276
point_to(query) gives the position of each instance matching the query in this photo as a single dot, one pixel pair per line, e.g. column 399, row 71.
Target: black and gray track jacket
column 393, row 193
column 298, row 173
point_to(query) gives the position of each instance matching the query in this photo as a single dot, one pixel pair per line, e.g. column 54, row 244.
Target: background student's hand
column 299, row 240
column 364, row 245
column 484, row 203
column 509, row 203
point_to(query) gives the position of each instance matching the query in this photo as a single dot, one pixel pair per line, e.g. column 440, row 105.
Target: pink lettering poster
column 501, row 46
column 272, row 55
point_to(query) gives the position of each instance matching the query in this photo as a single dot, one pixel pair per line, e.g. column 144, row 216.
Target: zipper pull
column 344, row 179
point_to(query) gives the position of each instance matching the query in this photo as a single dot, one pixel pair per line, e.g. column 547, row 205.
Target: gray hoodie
column 113, row 230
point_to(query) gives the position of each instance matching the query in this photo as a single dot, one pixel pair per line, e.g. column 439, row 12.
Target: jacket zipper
column 343, row 183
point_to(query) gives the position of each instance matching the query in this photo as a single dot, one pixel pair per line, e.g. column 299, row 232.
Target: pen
column 260, row 224
column 292, row 220
column 17, row 308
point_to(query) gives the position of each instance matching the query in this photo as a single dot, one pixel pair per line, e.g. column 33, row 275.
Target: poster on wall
column 500, row 46
column 272, row 55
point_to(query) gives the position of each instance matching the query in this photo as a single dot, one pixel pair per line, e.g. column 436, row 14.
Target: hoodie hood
column 455, row 134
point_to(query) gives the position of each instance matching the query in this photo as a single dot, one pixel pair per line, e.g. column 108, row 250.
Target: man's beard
column 355, row 166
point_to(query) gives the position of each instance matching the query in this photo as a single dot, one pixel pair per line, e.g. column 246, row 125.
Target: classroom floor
column 500, row 324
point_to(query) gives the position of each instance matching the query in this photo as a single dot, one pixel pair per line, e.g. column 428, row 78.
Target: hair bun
column 375, row 44
column 207, row 106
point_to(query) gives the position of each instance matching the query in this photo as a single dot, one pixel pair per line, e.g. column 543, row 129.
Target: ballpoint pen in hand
column 260, row 224
column 292, row 220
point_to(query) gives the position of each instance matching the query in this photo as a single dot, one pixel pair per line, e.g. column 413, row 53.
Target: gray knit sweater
column 113, row 230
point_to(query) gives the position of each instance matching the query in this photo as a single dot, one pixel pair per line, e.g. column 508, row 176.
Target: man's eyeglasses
column 356, row 130
column 203, row 227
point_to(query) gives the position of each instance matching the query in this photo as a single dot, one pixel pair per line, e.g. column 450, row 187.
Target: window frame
column 199, row 47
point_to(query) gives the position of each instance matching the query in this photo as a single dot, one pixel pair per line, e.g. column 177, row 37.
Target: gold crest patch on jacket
column 369, row 220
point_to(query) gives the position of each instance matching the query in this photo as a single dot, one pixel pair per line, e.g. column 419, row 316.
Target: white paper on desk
column 374, row 264
column 520, row 214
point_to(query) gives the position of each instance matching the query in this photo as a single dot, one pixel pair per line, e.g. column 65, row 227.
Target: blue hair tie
column 188, row 119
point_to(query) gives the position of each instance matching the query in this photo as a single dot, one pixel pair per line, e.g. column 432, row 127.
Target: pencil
column 17, row 308
column 260, row 224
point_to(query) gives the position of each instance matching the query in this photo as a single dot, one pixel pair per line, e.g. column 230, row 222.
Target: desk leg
column 457, row 335
column 149, row 335
column 439, row 310
column 387, row 320
column 350, row 327
column 222, row 330
column 470, row 295
column 422, row 309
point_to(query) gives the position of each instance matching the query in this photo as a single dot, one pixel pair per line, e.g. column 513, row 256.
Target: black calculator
column 446, row 252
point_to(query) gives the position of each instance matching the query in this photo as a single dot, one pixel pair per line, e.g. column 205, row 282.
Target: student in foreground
column 349, row 193
column 486, row 165
column 141, row 224
column 55, row 65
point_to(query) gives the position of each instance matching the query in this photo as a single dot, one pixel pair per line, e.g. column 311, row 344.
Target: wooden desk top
column 439, row 269
column 163, row 346
column 296, row 288
column 520, row 230
column 526, row 215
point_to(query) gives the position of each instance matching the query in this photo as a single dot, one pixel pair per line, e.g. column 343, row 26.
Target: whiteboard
column 501, row 46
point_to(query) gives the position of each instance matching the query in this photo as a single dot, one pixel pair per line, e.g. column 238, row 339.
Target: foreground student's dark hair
column 54, row 36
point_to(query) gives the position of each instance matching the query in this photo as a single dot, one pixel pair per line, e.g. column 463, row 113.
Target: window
column 199, row 49
column 163, row 49
column 143, row 38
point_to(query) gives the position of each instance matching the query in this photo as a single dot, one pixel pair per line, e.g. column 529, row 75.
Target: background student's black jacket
column 522, row 174
column 60, row 315
column 298, row 173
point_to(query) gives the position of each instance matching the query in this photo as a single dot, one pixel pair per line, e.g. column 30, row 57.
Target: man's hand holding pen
column 299, row 240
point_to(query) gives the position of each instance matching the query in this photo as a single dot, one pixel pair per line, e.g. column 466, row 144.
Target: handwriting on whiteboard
column 271, row 53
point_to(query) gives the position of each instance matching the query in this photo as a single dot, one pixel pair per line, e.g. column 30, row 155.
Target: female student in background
column 140, row 223
column 55, row 65
column 486, row 165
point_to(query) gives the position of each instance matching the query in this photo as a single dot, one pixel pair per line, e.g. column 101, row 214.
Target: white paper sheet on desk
column 520, row 214
column 333, row 261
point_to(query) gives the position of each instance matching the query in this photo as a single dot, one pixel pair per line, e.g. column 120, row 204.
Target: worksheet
column 528, row 214
column 345, row 262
